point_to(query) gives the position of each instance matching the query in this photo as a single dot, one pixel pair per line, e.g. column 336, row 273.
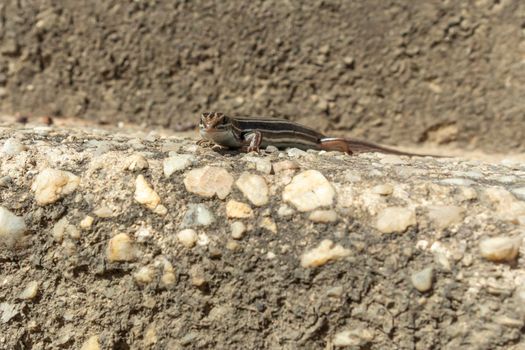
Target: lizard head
column 212, row 121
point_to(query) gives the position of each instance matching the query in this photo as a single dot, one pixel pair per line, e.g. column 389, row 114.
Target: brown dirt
column 447, row 72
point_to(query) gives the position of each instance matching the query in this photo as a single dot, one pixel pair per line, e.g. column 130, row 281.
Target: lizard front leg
column 252, row 141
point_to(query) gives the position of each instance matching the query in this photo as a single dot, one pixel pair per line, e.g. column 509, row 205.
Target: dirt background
column 395, row 72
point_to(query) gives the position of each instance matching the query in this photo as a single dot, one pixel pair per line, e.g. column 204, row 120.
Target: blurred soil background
column 405, row 73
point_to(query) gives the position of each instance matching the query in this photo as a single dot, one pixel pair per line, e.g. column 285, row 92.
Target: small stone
column 285, row 210
column 395, row 219
column 136, row 162
column 187, row 237
column 177, row 162
column 309, row 190
column 422, row 280
column 209, row 181
column 150, row 335
column 354, row 338
column 268, row 224
column 508, row 207
column 285, row 165
column 103, row 212
column 441, row 255
column 168, row 278
column 262, row 165
column 444, row 216
column 198, row 278
column 325, row 252
column 323, row 216
column 59, row 229
column 197, row 215
column 232, row 245
column 271, row 149
column 52, row 184
column 144, row 194
column 29, row 291
column 12, row 228
column 519, row 192
column 238, row 210
column 86, row 222
column 254, row 188
column 121, row 248
column 391, row 159
column 383, row 190
column 500, row 249
column 144, row 275
column 237, row 229
column 12, row 147
column 91, row 344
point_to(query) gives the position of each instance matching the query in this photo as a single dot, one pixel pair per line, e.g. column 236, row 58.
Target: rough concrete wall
column 398, row 72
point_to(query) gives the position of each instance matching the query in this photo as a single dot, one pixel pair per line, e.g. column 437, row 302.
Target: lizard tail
column 353, row 146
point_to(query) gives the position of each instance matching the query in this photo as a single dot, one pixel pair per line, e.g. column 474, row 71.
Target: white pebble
column 309, row 190
column 422, row 280
column 500, row 249
column 457, row 181
column 285, row 165
column 519, row 192
column 323, row 216
column 395, row 219
column 209, row 181
column 177, row 162
column 86, row 222
column 325, row 252
column 238, row 210
column 52, row 184
column 237, row 229
column 121, row 248
column 144, row 275
column 29, row 291
column 254, row 188
column 144, row 193
column 354, row 338
column 91, row 344
column 12, row 147
column 444, row 216
column 261, row 164
column 136, row 162
column 268, row 224
column 285, row 210
column 12, row 228
column 187, row 237
column 383, row 190
column 198, row 214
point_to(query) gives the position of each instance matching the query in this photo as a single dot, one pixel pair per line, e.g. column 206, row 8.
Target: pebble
column 30, row 291
column 391, row 159
column 238, row 229
column 285, row 210
column 262, row 165
column 238, row 210
column 91, row 343
column 519, row 192
column 168, row 277
column 232, row 245
column 144, row 194
column 322, row 254
column 323, row 216
column 144, row 275
column 86, row 222
column 12, row 147
column 177, row 162
column 500, row 249
column 295, row 152
column 198, row 215
column 422, row 280
column 136, row 162
column 254, row 188
column 52, row 184
column 12, row 228
column 150, row 335
column 383, row 190
column 187, row 237
column 308, row 191
column 354, row 338
column 62, row 228
column 285, row 165
column 506, row 204
column 395, row 219
column 209, row 181
column 444, row 216
column 103, row 212
column 268, row 224
column 121, row 248
column 441, row 255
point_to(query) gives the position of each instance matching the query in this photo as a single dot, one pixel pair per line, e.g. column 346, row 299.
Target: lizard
column 253, row 133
